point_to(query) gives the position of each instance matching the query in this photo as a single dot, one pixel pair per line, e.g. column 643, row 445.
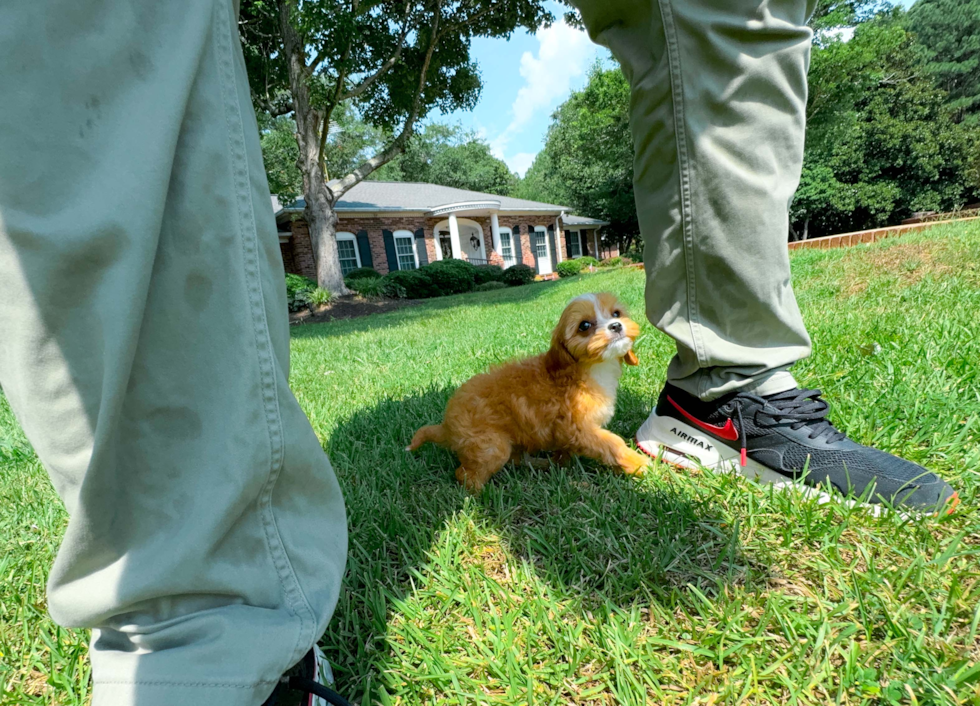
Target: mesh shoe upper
column 790, row 433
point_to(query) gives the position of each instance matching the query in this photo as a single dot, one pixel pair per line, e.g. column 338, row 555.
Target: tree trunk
column 322, row 220
column 320, row 214
column 806, row 228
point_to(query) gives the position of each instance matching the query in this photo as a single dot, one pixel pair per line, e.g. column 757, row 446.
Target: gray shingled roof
column 413, row 196
column 582, row 221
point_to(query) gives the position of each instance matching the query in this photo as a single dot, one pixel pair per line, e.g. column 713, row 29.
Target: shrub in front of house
column 298, row 289
column 451, row 276
column 490, row 286
column 569, row 268
column 488, row 273
column 318, row 296
column 362, row 273
column 588, row 261
column 376, row 287
column 516, row 275
column 413, row 284
column 611, row 262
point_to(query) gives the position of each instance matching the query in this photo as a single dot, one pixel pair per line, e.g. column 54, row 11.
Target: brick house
column 403, row 225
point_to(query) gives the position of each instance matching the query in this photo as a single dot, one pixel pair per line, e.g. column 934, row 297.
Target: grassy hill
column 576, row 585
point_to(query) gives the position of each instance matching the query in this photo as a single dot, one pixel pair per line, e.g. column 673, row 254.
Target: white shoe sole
column 684, row 446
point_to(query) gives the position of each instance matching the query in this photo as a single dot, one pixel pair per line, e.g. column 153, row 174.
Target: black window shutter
column 532, row 236
column 515, row 244
column 364, row 249
column 420, row 247
column 554, row 250
column 390, row 251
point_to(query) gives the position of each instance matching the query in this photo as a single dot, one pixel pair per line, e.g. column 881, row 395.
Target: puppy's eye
column 585, row 326
column 616, row 314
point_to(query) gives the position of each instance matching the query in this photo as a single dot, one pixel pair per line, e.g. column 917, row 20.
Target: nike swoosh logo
column 727, row 432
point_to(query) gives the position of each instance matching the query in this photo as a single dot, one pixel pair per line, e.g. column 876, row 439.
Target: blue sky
column 524, row 79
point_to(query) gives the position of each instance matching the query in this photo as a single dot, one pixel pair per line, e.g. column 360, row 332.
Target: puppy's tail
column 433, row 433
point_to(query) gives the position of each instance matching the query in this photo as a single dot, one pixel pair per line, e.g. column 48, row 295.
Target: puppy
column 558, row 401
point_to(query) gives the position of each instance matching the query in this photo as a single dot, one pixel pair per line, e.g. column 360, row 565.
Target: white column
column 435, row 236
column 559, row 239
column 454, row 236
column 595, row 239
column 495, row 232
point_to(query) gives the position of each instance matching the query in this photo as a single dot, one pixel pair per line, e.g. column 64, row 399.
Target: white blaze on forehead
column 602, row 316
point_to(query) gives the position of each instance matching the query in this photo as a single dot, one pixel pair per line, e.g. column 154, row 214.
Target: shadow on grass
column 424, row 309
column 593, row 535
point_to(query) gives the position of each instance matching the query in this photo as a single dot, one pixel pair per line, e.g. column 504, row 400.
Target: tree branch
column 385, row 67
column 338, row 187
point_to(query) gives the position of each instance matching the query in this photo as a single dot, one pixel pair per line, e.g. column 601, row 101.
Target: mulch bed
column 349, row 308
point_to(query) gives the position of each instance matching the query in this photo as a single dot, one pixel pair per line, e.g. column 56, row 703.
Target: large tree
column 587, row 161
column 949, row 32
column 451, row 156
column 393, row 61
column 882, row 141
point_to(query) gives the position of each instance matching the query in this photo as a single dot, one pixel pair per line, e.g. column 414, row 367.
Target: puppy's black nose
column 616, row 327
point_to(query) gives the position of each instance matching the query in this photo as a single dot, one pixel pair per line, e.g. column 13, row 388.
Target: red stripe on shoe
column 727, row 431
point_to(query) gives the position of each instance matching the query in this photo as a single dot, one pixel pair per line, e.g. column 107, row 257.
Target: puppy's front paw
column 634, row 463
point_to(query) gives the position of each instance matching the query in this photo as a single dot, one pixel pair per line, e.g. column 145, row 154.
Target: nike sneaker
column 305, row 684
column 786, row 439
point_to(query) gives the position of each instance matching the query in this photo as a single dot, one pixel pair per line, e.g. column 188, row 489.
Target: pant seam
column 293, row 595
column 684, row 169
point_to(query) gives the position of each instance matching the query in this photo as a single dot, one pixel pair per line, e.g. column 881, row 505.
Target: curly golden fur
column 557, row 402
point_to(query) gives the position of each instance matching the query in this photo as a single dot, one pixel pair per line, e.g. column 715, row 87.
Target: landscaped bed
column 576, row 585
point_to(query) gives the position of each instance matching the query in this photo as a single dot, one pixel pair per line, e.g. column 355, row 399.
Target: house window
column 350, row 259
column 405, row 249
column 506, row 246
column 574, row 244
column 541, row 241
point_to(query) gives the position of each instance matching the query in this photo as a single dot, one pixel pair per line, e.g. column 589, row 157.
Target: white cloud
column 564, row 53
column 520, row 162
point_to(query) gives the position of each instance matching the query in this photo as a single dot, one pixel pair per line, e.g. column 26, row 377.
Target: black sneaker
column 303, row 685
column 786, row 439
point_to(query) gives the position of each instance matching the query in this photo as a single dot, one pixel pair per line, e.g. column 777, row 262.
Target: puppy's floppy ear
column 558, row 355
column 630, row 358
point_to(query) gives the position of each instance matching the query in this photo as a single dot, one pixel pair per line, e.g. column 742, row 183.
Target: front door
column 541, row 250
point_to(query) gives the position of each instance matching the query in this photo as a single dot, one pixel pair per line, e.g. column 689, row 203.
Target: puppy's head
column 594, row 328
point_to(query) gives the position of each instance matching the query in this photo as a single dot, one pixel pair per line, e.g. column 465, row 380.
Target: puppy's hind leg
column 479, row 462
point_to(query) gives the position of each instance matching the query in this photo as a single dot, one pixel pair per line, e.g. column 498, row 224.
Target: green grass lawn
column 576, row 585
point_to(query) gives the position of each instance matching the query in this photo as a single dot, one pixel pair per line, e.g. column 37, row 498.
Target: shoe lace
column 308, row 686
column 796, row 408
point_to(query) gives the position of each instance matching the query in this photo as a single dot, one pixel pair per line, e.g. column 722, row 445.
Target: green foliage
column 949, row 33
column 451, row 276
column 319, row 296
column 588, row 261
column 882, row 141
column 349, row 143
column 612, row 262
column 298, row 289
column 376, row 287
column 488, row 273
column 569, row 268
column 490, row 286
column 413, row 284
column 363, row 273
column 450, row 156
column 516, row 275
column 587, row 161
